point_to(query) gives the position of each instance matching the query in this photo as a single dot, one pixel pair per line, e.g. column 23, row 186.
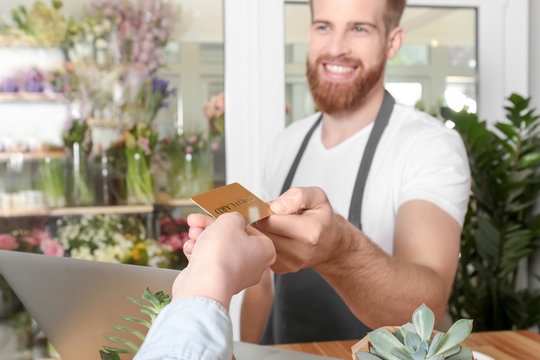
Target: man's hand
column 225, row 259
column 304, row 230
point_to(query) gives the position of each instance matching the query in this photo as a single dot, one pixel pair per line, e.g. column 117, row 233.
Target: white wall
column 534, row 86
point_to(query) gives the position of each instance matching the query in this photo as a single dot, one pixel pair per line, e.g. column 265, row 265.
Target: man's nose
column 339, row 45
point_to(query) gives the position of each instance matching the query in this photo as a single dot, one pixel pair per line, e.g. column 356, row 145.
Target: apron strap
column 355, row 208
column 383, row 117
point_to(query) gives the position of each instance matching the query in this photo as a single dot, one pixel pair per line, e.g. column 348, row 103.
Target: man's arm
column 380, row 289
column 256, row 306
column 384, row 290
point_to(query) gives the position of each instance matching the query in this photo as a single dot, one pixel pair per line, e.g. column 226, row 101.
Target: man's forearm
column 256, row 306
column 378, row 288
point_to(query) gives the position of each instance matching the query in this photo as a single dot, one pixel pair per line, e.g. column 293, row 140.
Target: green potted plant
column 417, row 341
column 501, row 228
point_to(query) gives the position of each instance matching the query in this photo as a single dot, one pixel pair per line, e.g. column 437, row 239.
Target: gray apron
column 306, row 308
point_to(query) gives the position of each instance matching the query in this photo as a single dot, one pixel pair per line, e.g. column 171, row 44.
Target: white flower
column 101, row 44
column 82, row 253
column 158, row 260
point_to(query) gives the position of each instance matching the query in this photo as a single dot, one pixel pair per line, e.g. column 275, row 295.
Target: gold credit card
column 233, row 197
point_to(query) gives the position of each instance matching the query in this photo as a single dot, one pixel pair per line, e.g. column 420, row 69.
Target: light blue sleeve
column 190, row 328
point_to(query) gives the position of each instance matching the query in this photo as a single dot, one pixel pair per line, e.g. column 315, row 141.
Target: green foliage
column 414, row 342
column 500, row 227
column 46, row 24
column 152, row 305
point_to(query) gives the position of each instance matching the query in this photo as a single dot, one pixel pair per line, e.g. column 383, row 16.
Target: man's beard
column 333, row 97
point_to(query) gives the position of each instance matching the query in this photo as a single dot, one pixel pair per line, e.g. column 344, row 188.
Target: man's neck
column 336, row 128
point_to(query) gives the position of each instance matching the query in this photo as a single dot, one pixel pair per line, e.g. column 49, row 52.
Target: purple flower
column 159, row 85
column 10, row 85
column 33, row 81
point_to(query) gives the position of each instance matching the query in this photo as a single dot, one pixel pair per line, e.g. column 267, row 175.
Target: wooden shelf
column 31, row 97
column 175, row 202
column 33, row 155
column 24, row 213
column 80, row 210
column 96, row 210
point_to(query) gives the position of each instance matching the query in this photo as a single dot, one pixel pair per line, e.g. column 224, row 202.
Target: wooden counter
column 501, row 345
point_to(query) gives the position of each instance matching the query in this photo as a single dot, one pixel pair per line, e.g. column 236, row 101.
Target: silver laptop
column 76, row 302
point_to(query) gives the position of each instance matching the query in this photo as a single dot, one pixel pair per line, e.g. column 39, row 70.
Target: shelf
column 31, row 97
column 33, row 155
column 175, row 202
column 96, row 210
column 24, row 213
column 81, row 210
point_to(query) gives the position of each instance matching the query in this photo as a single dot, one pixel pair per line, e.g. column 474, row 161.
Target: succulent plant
column 413, row 341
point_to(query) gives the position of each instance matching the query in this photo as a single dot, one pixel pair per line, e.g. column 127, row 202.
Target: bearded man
column 371, row 195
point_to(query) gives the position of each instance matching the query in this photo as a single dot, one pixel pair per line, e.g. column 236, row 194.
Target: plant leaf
column 420, row 354
column 137, row 320
column 463, row 354
column 423, row 320
column 412, row 341
column 435, row 344
column 386, row 344
column 128, row 330
column 122, row 341
column 108, row 356
column 529, row 159
column 366, row 356
column 455, row 335
column 118, row 350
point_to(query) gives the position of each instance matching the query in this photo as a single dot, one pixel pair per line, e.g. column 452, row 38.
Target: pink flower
column 189, row 149
column 144, row 143
column 40, row 235
column 175, row 242
column 208, row 110
column 214, row 146
column 8, row 242
column 30, row 240
column 192, row 139
column 51, row 248
column 220, row 104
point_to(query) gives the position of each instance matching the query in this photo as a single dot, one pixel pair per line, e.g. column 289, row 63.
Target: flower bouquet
column 187, row 164
column 214, row 111
column 110, row 238
column 52, row 181
column 174, row 234
column 77, row 140
column 140, row 141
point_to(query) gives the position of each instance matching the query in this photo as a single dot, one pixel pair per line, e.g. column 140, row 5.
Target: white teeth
column 336, row 69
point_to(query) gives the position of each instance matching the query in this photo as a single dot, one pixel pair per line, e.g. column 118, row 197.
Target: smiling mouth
column 339, row 69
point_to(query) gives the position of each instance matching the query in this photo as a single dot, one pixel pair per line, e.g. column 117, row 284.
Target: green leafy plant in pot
column 501, row 228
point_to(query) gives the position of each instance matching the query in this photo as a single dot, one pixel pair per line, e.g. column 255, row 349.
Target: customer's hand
column 197, row 223
column 304, row 229
column 226, row 258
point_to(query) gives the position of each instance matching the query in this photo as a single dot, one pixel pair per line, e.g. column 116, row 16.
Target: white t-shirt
column 417, row 158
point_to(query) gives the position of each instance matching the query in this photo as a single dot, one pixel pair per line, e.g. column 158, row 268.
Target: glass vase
column 79, row 190
column 139, row 183
column 192, row 174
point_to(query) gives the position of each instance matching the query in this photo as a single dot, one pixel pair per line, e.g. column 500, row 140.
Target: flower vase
column 198, row 174
column 192, row 174
column 79, row 191
column 139, row 184
column 52, row 182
